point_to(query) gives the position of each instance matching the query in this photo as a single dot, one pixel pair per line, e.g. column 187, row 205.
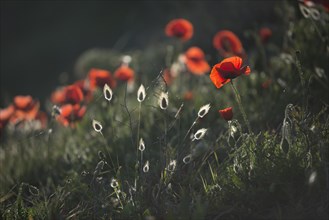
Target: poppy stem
column 238, row 99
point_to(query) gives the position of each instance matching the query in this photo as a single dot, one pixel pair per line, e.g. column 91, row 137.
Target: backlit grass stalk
column 238, row 99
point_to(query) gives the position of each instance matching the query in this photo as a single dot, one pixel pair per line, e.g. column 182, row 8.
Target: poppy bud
column 226, row 113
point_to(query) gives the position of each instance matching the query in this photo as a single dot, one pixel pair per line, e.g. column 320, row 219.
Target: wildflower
column 71, row 114
column 226, row 70
column 195, row 61
column 172, row 165
column 265, row 33
column 97, row 126
column 146, row 167
column 124, row 73
column 141, row 145
column 84, row 86
column 226, row 113
column 180, row 28
column 71, row 94
column 114, row 183
column 228, row 44
column 200, row 134
column 187, row 159
column 99, row 77
column 107, row 91
column 203, row 110
column 25, row 108
column 141, row 93
column 163, row 100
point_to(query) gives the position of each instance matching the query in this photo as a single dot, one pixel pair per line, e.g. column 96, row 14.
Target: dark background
column 40, row 40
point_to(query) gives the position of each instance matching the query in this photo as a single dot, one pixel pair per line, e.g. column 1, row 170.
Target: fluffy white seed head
column 141, row 94
column 97, row 126
column 204, row 110
column 107, row 91
column 172, row 165
column 163, row 100
column 114, row 183
column 187, row 159
column 199, row 134
column 146, row 167
column 141, row 145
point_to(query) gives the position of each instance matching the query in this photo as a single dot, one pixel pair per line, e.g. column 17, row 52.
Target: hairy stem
column 238, row 99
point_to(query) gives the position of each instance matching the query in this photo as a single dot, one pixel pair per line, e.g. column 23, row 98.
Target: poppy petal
column 217, row 79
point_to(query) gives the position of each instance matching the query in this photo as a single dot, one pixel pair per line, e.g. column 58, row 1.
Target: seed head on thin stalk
column 204, row 110
column 163, row 100
column 187, row 159
column 97, row 126
column 146, row 167
column 172, row 165
column 200, row 134
column 114, row 183
column 107, row 91
column 141, row 145
column 141, row 94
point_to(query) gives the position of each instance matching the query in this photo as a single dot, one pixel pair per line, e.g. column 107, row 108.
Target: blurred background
column 42, row 40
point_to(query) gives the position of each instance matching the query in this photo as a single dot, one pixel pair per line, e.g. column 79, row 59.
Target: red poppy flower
column 180, row 28
column 195, row 61
column 70, row 114
column 226, row 70
column 98, row 78
column 84, row 86
column 70, row 94
column 226, row 113
column 228, row 44
column 25, row 109
column 124, row 73
column 265, row 33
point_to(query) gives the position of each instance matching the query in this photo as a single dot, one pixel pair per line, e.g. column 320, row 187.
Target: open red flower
column 228, row 44
column 124, row 73
column 69, row 94
column 195, row 61
column 180, row 28
column 265, row 34
column 83, row 85
column 99, row 77
column 226, row 113
column 25, row 108
column 70, row 114
column 226, row 70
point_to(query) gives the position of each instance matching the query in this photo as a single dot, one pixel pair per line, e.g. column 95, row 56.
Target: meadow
column 242, row 134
